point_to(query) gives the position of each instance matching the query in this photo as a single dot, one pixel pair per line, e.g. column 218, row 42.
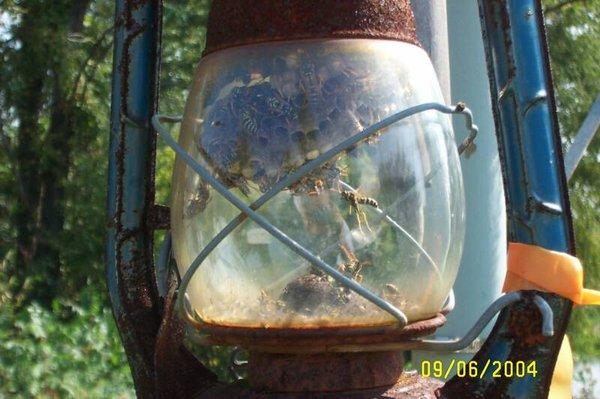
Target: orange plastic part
column 536, row 268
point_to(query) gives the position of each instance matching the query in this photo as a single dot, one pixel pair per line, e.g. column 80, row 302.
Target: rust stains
column 324, row 372
column 159, row 217
column 410, row 385
column 313, row 339
column 231, row 24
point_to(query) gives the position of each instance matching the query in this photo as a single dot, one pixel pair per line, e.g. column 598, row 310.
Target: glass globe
column 388, row 212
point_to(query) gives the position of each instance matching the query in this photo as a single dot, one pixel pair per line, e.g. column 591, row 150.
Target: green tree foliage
column 57, row 335
column 54, row 93
column 574, row 39
column 48, row 354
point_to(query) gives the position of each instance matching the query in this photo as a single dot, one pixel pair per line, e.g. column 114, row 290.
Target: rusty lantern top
column 233, row 23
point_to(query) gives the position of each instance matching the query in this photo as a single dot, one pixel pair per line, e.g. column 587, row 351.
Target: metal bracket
column 249, row 211
column 441, row 345
column 530, row 152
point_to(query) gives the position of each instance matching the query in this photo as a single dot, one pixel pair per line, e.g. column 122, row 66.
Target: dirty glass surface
column 388, row 212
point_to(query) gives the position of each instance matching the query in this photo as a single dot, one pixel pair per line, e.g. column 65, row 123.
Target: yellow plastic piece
column 533, row 267
column 561, row 385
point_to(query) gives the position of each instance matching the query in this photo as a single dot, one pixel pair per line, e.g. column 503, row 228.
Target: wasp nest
column 270, row 119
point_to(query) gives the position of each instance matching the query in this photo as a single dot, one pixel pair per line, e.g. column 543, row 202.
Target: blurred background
column 57, row 334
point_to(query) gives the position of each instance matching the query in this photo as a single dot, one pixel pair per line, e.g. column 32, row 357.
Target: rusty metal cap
column 237, row 23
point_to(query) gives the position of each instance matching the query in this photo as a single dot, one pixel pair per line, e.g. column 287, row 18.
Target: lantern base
column 323, row 372
column 326, row 363
column 368, row 375
column 318, row 340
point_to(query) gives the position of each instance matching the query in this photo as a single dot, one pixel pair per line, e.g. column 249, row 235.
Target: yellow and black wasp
column 355, row 200
column 352, row 266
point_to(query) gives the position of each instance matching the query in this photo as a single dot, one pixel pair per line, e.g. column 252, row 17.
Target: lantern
column 317, row 211
column 385, row 212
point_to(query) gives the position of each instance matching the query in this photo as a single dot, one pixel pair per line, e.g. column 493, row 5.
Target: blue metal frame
column 532, row 163
column 129, row 263
column 535, row 185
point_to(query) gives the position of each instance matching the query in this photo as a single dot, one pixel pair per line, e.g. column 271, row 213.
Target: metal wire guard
column 249, row 210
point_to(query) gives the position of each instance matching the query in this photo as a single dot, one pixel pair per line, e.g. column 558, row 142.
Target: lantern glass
column 388, row 212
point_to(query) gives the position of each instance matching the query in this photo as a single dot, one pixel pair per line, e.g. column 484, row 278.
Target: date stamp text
column 476, row 369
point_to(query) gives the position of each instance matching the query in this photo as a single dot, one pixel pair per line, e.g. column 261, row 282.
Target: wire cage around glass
column 388, row 212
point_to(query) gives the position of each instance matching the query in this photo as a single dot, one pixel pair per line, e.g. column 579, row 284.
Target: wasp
column 317, row 187
column 332, row 173
column 310, row 83
column 237, row 99
column 355, row 199
column 249, row 123
column 353, row 266
column 198, row 202
column 278, row 107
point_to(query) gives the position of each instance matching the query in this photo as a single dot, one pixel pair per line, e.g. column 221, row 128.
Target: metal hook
column 462, row 343
column 547, row 315
column 490, row 312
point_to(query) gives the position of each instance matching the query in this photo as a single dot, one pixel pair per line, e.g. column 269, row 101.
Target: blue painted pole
column 129, row 264
column 538, row 207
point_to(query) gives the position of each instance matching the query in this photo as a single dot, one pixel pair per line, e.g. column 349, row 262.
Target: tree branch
column 78, row 11
column 92, row 71
column 5, row 141
column 94, row 53
column 562, row 4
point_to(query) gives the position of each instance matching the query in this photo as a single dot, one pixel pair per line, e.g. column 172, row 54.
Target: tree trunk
column 54, row 173
column 30, row 74
column 44, row 158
